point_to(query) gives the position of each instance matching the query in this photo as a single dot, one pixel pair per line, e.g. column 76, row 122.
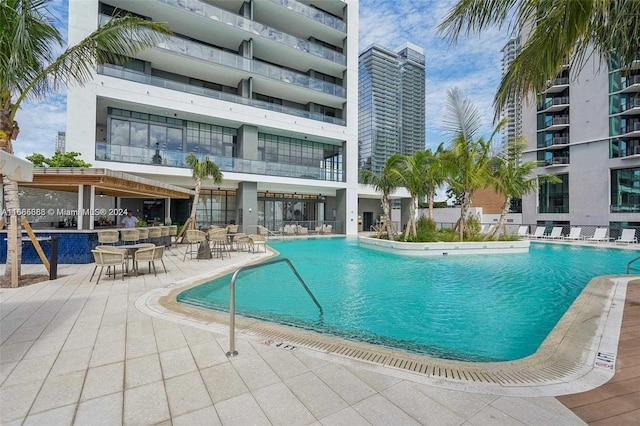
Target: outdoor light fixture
column 101, row 194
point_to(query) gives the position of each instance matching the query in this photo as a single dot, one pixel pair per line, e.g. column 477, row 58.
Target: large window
column 216, row 207
column 625, row 190
column 554, row 197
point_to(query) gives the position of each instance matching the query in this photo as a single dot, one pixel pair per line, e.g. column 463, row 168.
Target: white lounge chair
column 556, row 233
column 523, row 231
column 538, row 233
column 574, row 234
column 628, row 236
column 599, row 235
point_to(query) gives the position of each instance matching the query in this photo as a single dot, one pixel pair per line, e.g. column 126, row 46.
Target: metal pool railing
column 631, row 268
column 232, row 299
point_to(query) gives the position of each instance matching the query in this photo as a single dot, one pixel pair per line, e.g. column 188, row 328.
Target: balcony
column 117, row 72
column 632, row 152
column 632, row 107
column 557, row 142
column 251, row 66
column 632, row 130
column 557, row 85
column 313, row 13
column 554, row 104
column 555, row 123
column 255, row 28
column 147, row 156
column 556, row 162
column 632, row 84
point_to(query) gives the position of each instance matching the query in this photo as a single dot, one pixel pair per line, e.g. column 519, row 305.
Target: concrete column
column 167, row 208
column 247, row 202
column 247, row 142
column 347, row 211
column 80, row 204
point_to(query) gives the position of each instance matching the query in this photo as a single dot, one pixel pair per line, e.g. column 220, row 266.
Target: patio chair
column 523, row 231
column 158, row 254
column 628, row 236
column 242, row 241
column 257, row 241
column 165, row 238
column 193, row 236
column 599, row 235
column 219, row 242
column 108, row 259
column 538, row 233
column 574, row 234
column 556, row 233
column 143, row 235
column 144, row 255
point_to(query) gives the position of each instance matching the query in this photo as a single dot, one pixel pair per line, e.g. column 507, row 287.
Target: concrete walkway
column 73, row 352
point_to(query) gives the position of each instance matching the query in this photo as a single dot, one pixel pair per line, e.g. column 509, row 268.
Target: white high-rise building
column 513, row 107
column 267, row 89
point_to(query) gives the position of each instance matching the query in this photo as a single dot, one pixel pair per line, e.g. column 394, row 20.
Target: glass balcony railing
column 255, row 28
column 136, row 155
column 549, row 102
column 211, row 54
column 118, row 72
column 313, row 13
column 556, row 161
column 634, row 79
column 558, row 140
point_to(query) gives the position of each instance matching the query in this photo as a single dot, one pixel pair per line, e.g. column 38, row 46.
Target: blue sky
column 473, row 65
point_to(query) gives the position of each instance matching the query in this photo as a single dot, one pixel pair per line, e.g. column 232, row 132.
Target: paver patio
column 73, row 352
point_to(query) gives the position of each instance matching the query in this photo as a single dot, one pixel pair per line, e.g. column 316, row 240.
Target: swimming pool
column 470, row 308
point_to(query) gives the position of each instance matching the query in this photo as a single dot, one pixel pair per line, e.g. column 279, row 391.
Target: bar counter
column 74, row 246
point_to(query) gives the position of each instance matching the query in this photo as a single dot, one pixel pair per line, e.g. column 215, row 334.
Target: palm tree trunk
column 411, row 226
column 432, row 196
column 194, row 208
column 12, row 204
column 501, row 227
column 464, row 209
column 386, row 210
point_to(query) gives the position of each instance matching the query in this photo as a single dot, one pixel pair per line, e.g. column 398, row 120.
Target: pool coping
column 578, row 355
column 443, row 248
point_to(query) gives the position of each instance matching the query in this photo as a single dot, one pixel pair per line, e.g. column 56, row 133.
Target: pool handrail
column 630, row 268
column 232, row 299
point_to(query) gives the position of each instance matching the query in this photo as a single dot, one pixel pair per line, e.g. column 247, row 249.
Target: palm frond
column 470, row 17
column 462, row 118
column 115, row 41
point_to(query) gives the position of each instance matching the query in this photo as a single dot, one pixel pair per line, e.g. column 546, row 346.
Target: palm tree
column 514, row 179
column 384, row 183
column 467, row 159
column 29, row 69
column 411, row 173
column 561, row 29
column 201, row 170
column 435, row 175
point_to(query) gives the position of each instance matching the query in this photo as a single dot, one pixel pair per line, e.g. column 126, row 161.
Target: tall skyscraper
column 513, row 108
column 61, row 142
column 266, row 89
column 391, row 104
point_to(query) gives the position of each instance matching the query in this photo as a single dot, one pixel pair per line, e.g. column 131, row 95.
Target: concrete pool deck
column 73, row 352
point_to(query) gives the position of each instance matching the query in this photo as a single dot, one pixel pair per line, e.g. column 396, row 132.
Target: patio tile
column 419, row 406
column 6, row 369
column 103, row 411
column 29, row 370
column 376, row 381
column 241, row 410
column 281, row 406
column 315, row 395
column 146, row 404
column 169, row 338
column 529, row 413
column 140, row 346
column 187, row 393
column 208, row 354
column 57, row 417
column 177, row 362
column 108, row 353
column 43, row 347
column 223, row 382
column 462, row 403
column 79, row 340
column 344, row 383
column 103, row 380
column 143, row 370
column 14, row 351
column 204, row 417
column 346, row 417
column 195, row 336
column 491, row 416
column 284, row 363
column 69, row 362
column 15, row 401
column 58, row 391
column 310, row 361
column 377, row 410
column 255, row 372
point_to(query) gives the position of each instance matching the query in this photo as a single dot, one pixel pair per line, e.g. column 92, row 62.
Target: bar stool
column 194, row 236
column 173, row 233
column 143, row 235
column 108, row 237
column 129, row 235
column 166, row 239
column 154, row 235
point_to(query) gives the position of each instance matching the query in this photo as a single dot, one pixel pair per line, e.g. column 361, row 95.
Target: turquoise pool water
column 472, row 308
